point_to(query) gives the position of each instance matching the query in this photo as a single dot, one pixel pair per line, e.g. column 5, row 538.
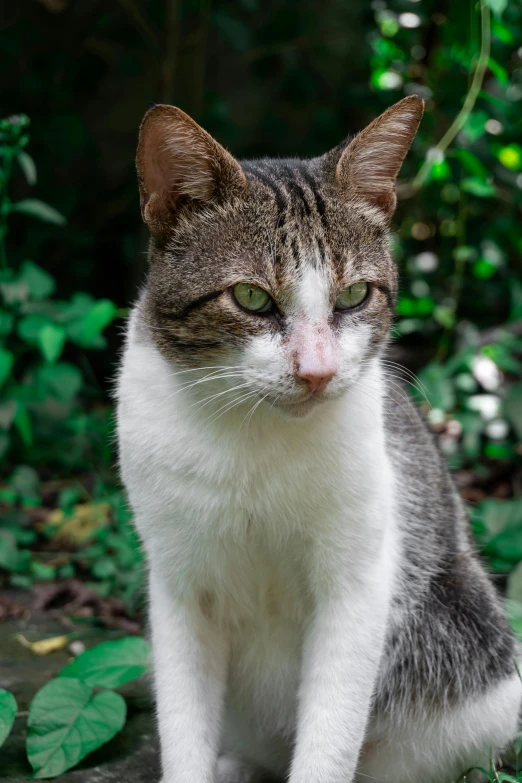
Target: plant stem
column 469, row 103
column 457, row 278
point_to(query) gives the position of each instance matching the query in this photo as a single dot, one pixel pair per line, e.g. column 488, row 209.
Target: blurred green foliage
column 274, row 78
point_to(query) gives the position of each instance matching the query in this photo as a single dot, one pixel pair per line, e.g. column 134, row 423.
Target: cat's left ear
column 178, row 161
column 368, row 166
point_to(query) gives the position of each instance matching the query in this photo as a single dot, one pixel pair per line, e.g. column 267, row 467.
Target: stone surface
column 131, row 757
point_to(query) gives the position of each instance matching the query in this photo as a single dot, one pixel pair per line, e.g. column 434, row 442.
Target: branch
column 471, row 98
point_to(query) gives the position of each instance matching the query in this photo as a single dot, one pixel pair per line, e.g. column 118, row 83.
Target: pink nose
column 317, row 382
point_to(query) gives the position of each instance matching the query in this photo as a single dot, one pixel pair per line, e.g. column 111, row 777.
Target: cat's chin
column 298, row 410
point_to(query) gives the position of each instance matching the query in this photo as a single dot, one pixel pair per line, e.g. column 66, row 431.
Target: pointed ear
column 175, row 159
column 369, row 165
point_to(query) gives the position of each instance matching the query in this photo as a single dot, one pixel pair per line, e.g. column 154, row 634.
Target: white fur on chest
column 233, row 486
column 238, row 515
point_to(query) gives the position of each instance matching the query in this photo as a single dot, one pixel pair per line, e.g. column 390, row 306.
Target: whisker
column 229, row 405
column 207, row 400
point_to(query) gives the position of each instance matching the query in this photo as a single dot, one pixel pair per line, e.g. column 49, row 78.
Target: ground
column 131, row 757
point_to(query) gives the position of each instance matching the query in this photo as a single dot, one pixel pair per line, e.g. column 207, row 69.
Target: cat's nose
column 316, row 382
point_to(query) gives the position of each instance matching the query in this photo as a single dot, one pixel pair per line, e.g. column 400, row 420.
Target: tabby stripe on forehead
column 278, row 192
column 319, row 203
column 296, row 190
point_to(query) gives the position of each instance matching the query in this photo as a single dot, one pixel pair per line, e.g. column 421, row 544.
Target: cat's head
column 274, row 275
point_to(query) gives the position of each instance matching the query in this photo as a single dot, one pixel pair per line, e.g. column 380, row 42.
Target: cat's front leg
column 190, row 658
column 342, row 651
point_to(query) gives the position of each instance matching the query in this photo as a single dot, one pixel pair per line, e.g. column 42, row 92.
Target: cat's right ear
column 176, row 159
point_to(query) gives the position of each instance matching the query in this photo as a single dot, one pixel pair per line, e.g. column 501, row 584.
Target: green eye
column 253, row 298
column 352, row 296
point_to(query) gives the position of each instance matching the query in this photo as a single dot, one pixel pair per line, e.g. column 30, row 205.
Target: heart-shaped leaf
column 67, row 721
column 111, row 664
column 8, row 709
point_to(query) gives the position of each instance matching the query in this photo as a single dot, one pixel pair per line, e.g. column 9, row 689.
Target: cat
column 317, row 611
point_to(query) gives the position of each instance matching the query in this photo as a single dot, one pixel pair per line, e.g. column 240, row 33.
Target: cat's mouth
column 298, row 409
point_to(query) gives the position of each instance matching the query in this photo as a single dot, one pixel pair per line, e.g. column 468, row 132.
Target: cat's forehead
column 289, row 232
column 298, row 213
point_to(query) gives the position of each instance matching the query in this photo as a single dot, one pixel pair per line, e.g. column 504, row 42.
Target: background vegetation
column 264, row 78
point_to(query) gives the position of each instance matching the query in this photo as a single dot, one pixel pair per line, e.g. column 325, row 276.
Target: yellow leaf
column 44, row 646
column 86, row 519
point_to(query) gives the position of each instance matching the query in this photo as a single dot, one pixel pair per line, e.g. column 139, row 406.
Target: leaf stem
column 469, row 103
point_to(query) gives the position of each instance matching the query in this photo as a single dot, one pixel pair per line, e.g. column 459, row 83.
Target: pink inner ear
column 370, row 164
column 177, row 162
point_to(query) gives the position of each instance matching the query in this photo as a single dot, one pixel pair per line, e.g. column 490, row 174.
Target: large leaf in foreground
column 111, row 664
column 67, row 721
column 7, row 714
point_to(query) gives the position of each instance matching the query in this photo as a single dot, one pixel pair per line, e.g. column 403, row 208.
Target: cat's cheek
column 355, row 348
column 265, row 361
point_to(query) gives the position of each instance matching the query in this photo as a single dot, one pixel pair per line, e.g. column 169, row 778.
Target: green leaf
column 512, row 405
column 22, row 422
column 6, row 363
column 8, row 708
column 9, row 554
column 511, row 157
column 514, row 585
column 475, row 126
column 104, row 568
column 440, row 391
column 477, row 187
column 111, row 664
column 28, row 166
column 62, row 380
column 497, row 6
column 39, row 282
column 472, row 163
column 67, row 721
column 39, row 209
column 6, row 323
column 26, row 482
column 499, row 72
column 498, row 524
column 42, row 572
column 503, row 34
column 86, row 332
column 30, row 326
column 51, row 340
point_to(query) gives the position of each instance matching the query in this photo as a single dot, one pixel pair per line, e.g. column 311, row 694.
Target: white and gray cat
column 318, row 613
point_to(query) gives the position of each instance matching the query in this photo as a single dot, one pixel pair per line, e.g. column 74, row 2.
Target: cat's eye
column 253, row 298
column 352, row 296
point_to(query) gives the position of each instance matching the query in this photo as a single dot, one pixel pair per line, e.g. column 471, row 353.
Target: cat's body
column 316, row 607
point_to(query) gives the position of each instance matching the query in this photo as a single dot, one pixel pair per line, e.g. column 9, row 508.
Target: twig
column 469, row 103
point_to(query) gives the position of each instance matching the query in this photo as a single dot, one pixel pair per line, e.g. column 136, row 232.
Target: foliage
column 7, row 714
column 67, row 719
column 110, row 664
column 46, row 422
column 40, row 387
column 289, row 81
column 458, row 242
